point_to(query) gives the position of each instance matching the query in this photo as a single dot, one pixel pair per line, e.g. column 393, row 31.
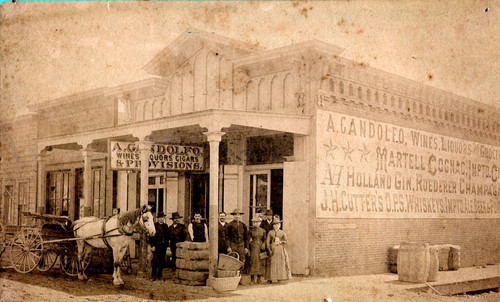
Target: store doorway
column 199, row 188
column 266, row 191
column 156, row 192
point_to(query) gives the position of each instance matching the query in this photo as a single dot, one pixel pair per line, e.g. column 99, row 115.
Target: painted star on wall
column 330, row 149
column 364, row 153
column 348, row 151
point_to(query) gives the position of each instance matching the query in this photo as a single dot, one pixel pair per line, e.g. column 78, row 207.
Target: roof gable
column 190, row 43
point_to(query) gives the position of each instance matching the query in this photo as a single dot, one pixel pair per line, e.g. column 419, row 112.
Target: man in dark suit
column 267, row 225
column 237, row 235
column 222, row 227
column 177, row 233
column 159, row 243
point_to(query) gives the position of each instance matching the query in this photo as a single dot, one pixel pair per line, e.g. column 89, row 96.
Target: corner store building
column 353, row 158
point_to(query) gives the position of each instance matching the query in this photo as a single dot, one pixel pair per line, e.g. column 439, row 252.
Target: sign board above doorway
column 126, row 155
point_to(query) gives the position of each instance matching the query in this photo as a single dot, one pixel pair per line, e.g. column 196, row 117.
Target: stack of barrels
column 443, row 257
column 192, row 263
column 416, row 262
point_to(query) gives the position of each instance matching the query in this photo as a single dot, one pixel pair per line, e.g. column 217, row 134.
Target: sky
column 54, row 49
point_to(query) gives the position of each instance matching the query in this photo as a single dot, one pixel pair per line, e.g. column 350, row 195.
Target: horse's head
column 146, row 220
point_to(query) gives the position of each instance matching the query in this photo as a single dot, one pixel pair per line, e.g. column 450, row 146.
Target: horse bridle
column 142, row 223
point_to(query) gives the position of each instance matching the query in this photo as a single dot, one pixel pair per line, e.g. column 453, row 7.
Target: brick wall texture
column 361, row 246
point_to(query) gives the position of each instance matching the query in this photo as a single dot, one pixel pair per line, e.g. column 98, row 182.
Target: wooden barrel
column 433, row 264
column 192, row 263
column 413, row 262
column 443, row 254
column 454, row 257
column 393, row 259
column 188, row 245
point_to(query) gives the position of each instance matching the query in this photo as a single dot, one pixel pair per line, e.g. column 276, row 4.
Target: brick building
column 354, row 159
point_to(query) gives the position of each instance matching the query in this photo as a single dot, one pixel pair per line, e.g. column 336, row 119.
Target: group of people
column 261, row 248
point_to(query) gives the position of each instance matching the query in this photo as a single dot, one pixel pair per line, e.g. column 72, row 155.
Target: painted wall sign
column 125, row 155
column 367, row 169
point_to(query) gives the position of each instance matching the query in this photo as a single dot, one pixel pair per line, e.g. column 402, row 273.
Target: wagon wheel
column 2, row 232
column 48, row 260
column 69, row 262
column 26, row 250
column 126, row 265
column 2, row 238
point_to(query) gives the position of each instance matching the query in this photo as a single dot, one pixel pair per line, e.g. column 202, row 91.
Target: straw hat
column 276, row 219
column 256, row 219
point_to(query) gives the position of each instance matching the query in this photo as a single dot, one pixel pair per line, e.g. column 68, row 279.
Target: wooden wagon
column 40, row 246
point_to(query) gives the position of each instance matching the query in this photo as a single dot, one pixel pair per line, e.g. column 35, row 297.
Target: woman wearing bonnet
column 276, row 241
column 257, row 242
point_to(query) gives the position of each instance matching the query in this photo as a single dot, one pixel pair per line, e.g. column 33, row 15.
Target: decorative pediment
column 189, row 44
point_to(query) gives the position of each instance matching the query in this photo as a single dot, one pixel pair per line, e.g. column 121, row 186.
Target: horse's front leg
column 81, row 254
column 116, row 264
column 121, row 254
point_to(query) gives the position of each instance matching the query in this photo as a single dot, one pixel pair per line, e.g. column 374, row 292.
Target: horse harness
column 120, row 227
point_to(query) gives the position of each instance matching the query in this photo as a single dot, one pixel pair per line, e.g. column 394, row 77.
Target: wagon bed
column 40, row 246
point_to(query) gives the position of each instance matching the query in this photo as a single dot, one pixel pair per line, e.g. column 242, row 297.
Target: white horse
column 114, row 232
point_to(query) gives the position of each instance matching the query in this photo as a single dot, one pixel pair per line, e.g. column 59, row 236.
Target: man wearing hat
column 267, row 225
column 177, row 233
column 159, row 243
column 237, row 235
column 267, row 222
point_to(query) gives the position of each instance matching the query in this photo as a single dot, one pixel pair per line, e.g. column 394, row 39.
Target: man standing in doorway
column 222, row 226
column 267, row 221
column 177, row 233
column 198, row 231
column 237, row 235
column 267, row 225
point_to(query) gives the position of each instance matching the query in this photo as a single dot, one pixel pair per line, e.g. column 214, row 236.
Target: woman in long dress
column 257, row 239
column 280, row 265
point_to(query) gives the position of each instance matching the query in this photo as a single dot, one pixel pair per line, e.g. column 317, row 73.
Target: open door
column 295, row 211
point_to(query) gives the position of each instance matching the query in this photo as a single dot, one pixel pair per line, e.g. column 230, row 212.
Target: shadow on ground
column 102, row 284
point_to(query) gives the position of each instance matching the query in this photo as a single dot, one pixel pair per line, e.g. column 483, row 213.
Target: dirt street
column 55, row 286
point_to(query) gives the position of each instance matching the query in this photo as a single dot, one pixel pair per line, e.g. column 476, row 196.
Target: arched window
column 332, row 86
column 351, row 91
column 427, row 110
column 368, row 95
column 385, row 99
column 360, row 93
column 376, row 97
column 341, row 87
